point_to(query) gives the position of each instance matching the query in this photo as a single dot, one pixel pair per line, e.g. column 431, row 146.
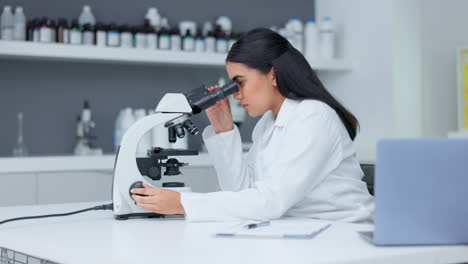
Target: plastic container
column 159, row 134
column 311, row 39
column 164, row 39
column 86, row 16
column 140, row 38
column 113, row 36
column 36, row 28
column 88, row 35
column 225, row 23
column 210, row 42
column 151, row 36
column 75, row 33
column 63, row 31
column 199, row 42
column 176, row 40
column 233, row 38
column 221, row 40
column 327, row 39
column 153, row 17
column 19, row 21
column 126, row 37
column 207, row 27
column 46, row 33
column 7, row 24
column 101, row 35
column 188, row 42
column 296, row 27
column 123, row 122
column 145, row 141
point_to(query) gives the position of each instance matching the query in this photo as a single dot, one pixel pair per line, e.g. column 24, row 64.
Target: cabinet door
column 17, row 189
column 69, row 187
column 201, row 179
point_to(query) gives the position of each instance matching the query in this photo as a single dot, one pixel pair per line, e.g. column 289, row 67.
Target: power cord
column 99, row 207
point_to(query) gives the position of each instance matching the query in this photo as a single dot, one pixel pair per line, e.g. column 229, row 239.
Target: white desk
column 95, row 237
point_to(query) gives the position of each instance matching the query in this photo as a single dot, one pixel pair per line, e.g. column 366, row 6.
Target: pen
column 255, row 225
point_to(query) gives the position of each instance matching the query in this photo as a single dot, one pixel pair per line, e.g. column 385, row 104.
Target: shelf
column 78, row 53
column 77, row 163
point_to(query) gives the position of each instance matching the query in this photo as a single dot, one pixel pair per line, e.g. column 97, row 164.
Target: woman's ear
column 273, row 76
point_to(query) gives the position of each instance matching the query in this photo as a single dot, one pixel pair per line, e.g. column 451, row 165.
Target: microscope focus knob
column 137, row 184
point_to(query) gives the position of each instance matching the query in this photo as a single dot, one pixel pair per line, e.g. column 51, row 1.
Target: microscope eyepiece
column 200, row 98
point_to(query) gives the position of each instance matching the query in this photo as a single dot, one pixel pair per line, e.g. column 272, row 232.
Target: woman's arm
column 302, row 164
column 233, row 167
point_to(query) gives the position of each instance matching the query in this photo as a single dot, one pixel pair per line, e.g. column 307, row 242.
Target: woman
column 302, row 161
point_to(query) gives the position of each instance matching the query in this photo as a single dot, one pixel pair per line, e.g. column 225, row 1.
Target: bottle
column 63, row 31
column 86, row 16
column 188, row 42
column 221, row 41
column 46, row 31
column 29, row 30
column 126, row 37
column 311, row 35
column 101, row 35
column 164, row 39
column 36, row 30
column 53, row 27
column 199, row 42
column 225, row 23
column 159, row 134
column 75, row 33
column 145, row 141
column 88, row 35
column 153, row 17
column 7, row 24
column 233, row 38
column 140, row 38
column 113, row 36
column 296, row 27
column 20, row 149
column 151, row 36
column 327, row 39
column 126, row 121
column 176, row 41
column 207, row 27
column 210, row 42
column 19, row 21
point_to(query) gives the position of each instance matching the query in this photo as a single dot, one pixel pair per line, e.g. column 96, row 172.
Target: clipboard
column 277, row 229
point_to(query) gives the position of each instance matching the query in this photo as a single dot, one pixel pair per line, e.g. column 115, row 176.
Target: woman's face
column 257, row 91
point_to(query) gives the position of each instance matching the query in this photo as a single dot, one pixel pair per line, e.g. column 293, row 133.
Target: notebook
column 304, row 229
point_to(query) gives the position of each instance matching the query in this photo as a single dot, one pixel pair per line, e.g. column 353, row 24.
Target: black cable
column 99, row 207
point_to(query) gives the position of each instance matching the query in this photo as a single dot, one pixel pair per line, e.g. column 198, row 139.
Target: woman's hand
column 157, row 200
column 220, row 115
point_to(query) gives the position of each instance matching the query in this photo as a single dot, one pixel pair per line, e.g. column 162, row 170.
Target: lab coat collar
column 286, row 111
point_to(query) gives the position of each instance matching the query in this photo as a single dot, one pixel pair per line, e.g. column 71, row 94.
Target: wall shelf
column 75, row 53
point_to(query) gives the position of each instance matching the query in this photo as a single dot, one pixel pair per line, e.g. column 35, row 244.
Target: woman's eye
column 240, row 83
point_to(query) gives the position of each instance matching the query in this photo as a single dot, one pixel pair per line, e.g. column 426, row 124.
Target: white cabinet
column 201, row 179
column 78, row 186
column 17, row 189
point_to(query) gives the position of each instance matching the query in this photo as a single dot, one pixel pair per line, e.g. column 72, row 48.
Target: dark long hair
column 263, row 49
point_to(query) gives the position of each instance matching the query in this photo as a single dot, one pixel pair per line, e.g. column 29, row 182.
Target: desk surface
column 95, row 237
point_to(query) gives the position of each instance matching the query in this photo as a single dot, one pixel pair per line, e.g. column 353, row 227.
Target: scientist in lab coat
column 302, row 162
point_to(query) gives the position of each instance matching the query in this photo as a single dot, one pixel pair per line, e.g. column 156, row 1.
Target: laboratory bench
column 96, row 237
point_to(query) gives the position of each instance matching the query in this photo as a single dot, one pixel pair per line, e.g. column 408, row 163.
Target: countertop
column 95, row 237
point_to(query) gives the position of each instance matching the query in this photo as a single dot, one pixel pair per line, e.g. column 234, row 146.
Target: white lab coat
column 302, row 163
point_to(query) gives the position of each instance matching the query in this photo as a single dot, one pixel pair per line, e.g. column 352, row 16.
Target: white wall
column 445, row 29
column 365, row 34
column 405, row 82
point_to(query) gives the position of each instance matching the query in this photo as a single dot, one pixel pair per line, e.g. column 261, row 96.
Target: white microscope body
column 173, row 112
column 173, row 108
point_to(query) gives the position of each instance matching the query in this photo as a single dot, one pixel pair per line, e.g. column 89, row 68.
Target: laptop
column 421, row 192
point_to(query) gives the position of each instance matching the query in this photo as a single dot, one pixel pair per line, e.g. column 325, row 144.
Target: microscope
column 173, row 112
